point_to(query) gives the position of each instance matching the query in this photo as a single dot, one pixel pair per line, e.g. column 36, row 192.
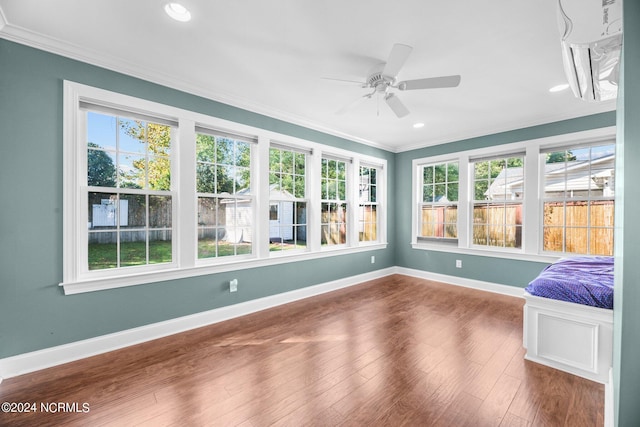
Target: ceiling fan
column 383, row 77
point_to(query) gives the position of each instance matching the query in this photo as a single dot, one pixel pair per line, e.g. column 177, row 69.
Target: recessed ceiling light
column 559, row 88
column 178, row 12
column 418, row 125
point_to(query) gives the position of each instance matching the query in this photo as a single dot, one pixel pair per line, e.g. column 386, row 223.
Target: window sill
column 521, row 256
column 100, row 284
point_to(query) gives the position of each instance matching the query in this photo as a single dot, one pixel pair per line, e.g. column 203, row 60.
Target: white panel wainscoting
column 571, row 337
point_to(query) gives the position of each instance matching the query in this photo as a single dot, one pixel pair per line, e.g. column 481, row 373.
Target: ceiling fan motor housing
column 378, row 80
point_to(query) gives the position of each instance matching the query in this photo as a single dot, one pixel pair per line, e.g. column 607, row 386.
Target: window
column 128, row 192
column 153, row 192
column 531, row 200
column 334, row 202
column 439, row 201
column 287, row 199
column 578, row 201
column 368, row 204
column 498, row 190
column 225, row 202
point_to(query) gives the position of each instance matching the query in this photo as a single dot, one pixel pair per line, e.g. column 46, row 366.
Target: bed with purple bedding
column 581, row 280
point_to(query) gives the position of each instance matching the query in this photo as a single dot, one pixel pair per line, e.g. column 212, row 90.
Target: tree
column 222, row 164
column 560, row 157
column 158, row 167
column 101, row 172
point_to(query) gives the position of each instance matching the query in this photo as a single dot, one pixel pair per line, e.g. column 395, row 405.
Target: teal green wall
column 494, row 270
column 626, row 339
column 34, row 313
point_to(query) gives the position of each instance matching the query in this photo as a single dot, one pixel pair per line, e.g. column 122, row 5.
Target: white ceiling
column 272, row 57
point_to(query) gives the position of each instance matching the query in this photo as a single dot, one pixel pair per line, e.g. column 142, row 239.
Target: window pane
column 333, row 223
column 205, row 148
column 440, row 172
column 481, row 170
column 103, row 250
column 101, row 167
column 243, row 154
column 480, row 235
column 601, row 213
column 206, row 178
column 368, row 224
column 103, row 211
column 427, row 194
column 224, row 154
column 133, row 248
column 452, row 192
column 577, row 240
column 133, row 211
column 601, row 241
column 132, row 136
column 160, row 211
column 553, row 238
column 481, row 188
column 132, row 171
column 101, row 131
column 428, row 175
column 288, row 230
column 159, row 246
column 159, row 173
column 299, row 187
column 576, row 214
column 452, row 172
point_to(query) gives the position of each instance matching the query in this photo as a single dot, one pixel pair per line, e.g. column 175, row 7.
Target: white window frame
column 309, row 229
column 588, row 198
column 422, row 203
column 532, row 249
column 379, row 196
column 185, row 263
column 473, row 202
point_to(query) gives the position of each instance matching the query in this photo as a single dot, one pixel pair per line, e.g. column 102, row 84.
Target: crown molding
column 3, row 19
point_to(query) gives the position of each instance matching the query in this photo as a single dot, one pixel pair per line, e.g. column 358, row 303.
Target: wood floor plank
column 395, row 351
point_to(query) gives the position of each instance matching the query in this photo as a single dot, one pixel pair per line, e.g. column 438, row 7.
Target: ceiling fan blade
column 343, row 80
column 397, row 57
column 396, row 105
column 430, row 83
column 352, row 105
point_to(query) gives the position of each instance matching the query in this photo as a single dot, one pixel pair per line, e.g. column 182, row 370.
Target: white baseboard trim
column 461, row 281
column 53, row 356
column 608, row 401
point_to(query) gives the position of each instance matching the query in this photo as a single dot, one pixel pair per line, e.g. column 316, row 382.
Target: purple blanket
column 582, row 280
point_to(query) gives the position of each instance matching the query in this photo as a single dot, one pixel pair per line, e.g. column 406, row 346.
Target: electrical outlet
column 373, row 259
column 458, row 263
column 233, row 285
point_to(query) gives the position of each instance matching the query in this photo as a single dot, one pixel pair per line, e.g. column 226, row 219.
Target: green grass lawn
column 104, row 255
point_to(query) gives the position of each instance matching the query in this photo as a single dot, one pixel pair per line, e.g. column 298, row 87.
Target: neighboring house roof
column 577, row 175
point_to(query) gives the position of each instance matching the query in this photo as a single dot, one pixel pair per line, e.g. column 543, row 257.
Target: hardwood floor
column 390, row 352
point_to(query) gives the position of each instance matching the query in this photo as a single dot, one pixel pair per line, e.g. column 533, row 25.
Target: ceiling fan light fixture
column 177, row 12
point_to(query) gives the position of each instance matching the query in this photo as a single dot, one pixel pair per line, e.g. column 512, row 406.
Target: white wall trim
column 49, row 357
column 462, row 281
column 609, row 402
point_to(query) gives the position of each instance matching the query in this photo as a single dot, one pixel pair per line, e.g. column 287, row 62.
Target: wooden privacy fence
column 589, row 227
column 580, row 227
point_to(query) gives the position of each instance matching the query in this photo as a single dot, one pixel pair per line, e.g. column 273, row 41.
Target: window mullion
column 465, row 202
column 185, row 200
column 314, row 216
column 260, row 180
